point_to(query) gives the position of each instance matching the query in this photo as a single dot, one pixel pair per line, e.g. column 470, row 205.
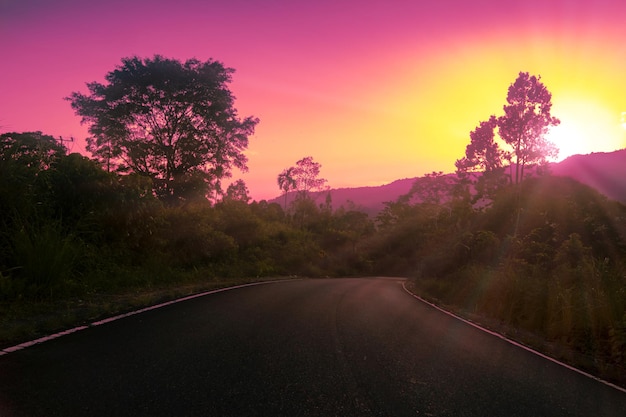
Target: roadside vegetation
column 540, row 258
column 552, row 276
column 78, row 242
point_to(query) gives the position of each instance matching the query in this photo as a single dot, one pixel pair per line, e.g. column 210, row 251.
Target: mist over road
column 328, row 347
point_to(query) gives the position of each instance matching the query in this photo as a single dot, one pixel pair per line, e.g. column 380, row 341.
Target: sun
column 570, row 139
column 586, row 126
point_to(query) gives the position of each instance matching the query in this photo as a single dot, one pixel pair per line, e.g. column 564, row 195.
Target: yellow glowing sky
column 374, row 90
column 416, row 116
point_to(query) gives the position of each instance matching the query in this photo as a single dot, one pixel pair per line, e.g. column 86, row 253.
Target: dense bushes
column 56, row 259
column 71, row 228
column 547, row 256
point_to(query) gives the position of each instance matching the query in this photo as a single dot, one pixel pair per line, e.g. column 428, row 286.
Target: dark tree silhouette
column 306, row 176
column 32, row 150
column 526, row 121
column 483, row 153
column 25, row 159
column 286, row 182
column 303, row 178
column 434, row 188
column 238, row 191
column 172, row 121
column 523, row 128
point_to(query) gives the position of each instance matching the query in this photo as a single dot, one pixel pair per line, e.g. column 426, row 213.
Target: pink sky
column 373, row 90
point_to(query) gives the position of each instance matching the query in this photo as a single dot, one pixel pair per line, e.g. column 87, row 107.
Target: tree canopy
column 25, row 159
column 304, row 177
column 483, row 153
column 238, row 191
column 172, row 121
column 526, row 121
column 523, row 128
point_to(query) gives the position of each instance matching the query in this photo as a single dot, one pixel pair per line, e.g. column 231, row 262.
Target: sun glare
column 586, row 127
column 569, row 139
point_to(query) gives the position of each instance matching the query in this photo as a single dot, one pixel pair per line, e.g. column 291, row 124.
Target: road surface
column 333, row 347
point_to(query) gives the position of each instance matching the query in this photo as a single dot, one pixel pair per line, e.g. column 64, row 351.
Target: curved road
column 335, row 347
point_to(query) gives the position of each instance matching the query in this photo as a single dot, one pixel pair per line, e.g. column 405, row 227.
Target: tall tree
column 434, row 188
column 306, row 176
column 482, row 154
column 286, row 182
column 172, row 121
column 526, row 121
column 238, row 191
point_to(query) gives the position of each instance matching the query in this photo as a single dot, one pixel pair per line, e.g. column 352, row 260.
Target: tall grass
column 44, row 258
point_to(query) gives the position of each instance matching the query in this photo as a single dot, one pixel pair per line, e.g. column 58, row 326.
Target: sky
column 374, row 91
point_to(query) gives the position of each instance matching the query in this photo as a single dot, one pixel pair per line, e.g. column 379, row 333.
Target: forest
column 539, row 257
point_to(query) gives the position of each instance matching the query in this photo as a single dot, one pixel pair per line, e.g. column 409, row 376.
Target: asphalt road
column 334, row 347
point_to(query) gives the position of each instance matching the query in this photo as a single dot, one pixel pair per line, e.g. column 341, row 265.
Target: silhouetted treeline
column 546, row 255
column 69, row 227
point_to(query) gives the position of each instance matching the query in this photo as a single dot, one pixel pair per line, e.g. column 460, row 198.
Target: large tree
column 526, row 121
column 483, row 153
column 306, row 176
column 523, row 128
column 303, row 178
column 170, row 120
column 238, row 191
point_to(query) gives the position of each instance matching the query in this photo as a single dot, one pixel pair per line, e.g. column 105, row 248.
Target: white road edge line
column 513, row 342
column 43, row 339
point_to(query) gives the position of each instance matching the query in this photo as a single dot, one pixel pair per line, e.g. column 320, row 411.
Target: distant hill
column 367, row 199
column 605, row 172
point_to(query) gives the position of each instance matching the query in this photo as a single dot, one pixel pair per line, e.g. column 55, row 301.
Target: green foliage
column 79, row 188
column 547, row 256
column 522, row 128
column 526, row 121
column 42, row 259
column 26, row 159
column 237, row 191
column 172, row 121
column 480, row 247
column 483, row 153
column 617, row 337
column 434, row 188
column 303, row 178
column 561, row 276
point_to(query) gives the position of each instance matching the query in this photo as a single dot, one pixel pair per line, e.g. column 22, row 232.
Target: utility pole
column 70, row 140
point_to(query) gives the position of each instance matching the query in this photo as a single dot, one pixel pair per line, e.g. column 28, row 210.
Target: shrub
column 44, row 258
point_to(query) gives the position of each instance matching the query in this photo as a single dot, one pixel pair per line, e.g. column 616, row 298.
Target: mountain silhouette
column 604, row 171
